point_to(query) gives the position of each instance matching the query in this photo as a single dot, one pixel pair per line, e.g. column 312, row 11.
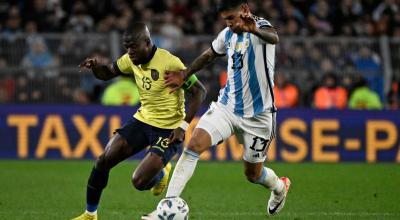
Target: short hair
column 138, row 30
column 135, row 27
column 225, row 5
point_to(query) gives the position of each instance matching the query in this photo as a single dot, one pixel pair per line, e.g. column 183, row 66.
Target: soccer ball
column 173, row 209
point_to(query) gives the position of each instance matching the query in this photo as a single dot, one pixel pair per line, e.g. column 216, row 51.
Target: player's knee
column 139, row 183
column 251, row 176
column 101, row 163
column 200, row 141
column 195, row 145
column 104, row 162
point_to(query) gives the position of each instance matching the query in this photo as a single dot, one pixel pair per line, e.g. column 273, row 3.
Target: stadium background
column 52, row 110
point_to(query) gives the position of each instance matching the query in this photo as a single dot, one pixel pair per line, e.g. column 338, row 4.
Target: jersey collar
column 153, row 52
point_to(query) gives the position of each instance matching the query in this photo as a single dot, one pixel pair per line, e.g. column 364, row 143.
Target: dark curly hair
column 224, row 5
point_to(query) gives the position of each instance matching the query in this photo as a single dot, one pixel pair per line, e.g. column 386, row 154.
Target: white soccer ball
column 173, row 209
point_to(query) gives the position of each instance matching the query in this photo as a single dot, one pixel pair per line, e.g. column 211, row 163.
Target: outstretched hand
column 88, row 63
column 247, row 23
column 174, row 80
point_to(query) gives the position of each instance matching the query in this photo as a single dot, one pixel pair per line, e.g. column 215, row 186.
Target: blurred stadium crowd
column 332, row 54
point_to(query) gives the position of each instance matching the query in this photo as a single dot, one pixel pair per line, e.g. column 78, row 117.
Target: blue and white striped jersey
column 251, row 62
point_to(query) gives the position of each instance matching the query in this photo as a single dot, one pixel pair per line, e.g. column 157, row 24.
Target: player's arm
column 177, row 79
column 102, row 72
column 263, row 29
column 267, row 34
column 198, row 92
column 206, row 58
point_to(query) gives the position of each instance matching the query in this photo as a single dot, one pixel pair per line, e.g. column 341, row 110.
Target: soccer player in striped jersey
column 245, row 106
column 160, row 122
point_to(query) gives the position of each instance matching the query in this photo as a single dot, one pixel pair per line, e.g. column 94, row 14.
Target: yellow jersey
column 158, row 107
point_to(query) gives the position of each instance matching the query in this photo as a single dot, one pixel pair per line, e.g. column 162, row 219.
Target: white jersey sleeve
column 219, row 44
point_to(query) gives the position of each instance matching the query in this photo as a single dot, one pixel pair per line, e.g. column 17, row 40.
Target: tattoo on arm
column 267, row 34
column 203, row 60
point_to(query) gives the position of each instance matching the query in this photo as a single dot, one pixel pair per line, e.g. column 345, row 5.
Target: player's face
column 137, row 49
column 232, row 18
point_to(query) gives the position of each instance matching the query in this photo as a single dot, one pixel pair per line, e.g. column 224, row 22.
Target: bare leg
column 253, row 171
column 257, row 173
column 116, row 151
column 147, row 170
column 186, row 165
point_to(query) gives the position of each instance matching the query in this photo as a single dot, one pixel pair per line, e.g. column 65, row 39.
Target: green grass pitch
column 56, row 190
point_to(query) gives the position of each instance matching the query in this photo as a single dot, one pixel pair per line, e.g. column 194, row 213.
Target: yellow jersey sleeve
column 124, row 64
column 176, row 64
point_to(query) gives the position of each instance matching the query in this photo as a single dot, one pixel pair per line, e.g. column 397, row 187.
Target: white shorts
column 255, row 133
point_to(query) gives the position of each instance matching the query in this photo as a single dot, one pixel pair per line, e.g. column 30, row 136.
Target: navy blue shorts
column 140, row 135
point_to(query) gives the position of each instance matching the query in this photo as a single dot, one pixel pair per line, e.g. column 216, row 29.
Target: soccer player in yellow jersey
column 160, row 122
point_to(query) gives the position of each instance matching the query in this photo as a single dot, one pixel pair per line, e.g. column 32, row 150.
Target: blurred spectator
column 286, row 94
column 366, row 61
column 44, row 16
column 122, row 92
column 39, row 57
column 364, row 98
column 9, row 41
column 3, row 63
column 7, row 83
column 13, row 22
column 368, row 64
column 347, row 81
column 80, row 97
column 319, row 18
column 125, row 16
column 330, row 95
column 62, row 89
column 314, row 57
column 384, row 15
column 23, row 90
column 347, row 12
column 182, row 8
column 80, row 20
column 3, row 96
column 394, row 95
column 326, row 66
column 107, row 24
column 336, row 55
column 170, row 32
column 69, row 50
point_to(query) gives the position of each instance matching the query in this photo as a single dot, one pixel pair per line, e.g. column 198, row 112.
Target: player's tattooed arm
column 267, row 34
column 102, row 72
column 200, row 62
column 175, row 80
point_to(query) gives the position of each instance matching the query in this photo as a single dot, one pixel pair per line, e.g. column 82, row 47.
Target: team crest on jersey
column 241, row 46
column 155, row 75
